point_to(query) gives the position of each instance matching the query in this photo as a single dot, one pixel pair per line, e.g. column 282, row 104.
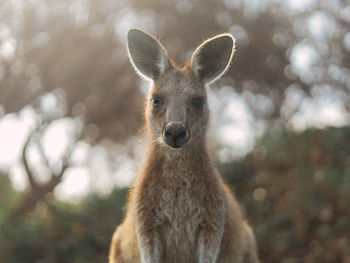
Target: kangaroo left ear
column 147, row 54
column 212, row 58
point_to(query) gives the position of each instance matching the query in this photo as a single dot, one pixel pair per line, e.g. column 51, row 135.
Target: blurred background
column 70, row 119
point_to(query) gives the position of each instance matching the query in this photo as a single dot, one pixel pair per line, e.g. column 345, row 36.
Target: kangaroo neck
column 184, row 160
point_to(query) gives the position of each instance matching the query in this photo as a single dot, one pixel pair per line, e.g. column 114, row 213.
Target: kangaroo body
column 179, row 208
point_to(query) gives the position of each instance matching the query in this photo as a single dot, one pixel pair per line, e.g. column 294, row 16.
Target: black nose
column 175, row 131
column 176, row 134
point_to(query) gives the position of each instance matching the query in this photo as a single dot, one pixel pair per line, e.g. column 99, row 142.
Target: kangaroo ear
column 212, row 58
column 147, row 55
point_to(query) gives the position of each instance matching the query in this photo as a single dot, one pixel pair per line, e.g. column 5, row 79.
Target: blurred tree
column 78, row 47
column 37, row 190
column 53, row 51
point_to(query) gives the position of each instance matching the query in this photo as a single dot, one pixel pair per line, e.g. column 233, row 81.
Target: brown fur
column 179, row 208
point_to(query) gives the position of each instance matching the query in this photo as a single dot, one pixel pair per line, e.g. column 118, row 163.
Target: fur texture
column 179, row 208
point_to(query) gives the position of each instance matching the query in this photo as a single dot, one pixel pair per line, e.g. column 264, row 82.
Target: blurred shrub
column 57, row 232
column 294, row 189
column 296, row 192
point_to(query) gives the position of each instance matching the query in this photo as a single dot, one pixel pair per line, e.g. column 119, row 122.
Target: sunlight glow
column 8, row 48
column 101, row 169
column 233, row 136
column 57, row 138
column 75, row 185
column 299, row 5
column 233, row 121
column 320, row 112
column 128, row 18
column 80, row 153
column 13, row 132
column 303, row 57
column 126, row 171
column 18, row 177
column 41, row 173
column 321, row 25
column 48, row 102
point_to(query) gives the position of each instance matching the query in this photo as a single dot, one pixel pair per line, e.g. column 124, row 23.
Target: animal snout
column 176, row 134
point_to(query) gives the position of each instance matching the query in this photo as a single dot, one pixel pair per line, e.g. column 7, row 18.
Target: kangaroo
column 179, row 209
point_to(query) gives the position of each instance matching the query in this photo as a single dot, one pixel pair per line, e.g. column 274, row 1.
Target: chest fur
column 180, row 213
column 179, row 202
column 179, row 196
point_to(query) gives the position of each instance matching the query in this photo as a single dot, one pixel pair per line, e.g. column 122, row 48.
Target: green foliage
column 294, row 189
column 296, row 192
column 57, row 232
column 8, row 197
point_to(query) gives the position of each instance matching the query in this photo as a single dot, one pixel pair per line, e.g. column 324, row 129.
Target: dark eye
column 198, row 103
column 157, row 101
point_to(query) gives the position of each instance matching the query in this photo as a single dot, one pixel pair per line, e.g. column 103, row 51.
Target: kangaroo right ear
column 212, row 58
column 147, row 54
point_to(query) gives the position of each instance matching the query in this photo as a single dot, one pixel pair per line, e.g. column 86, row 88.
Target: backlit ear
column 212, row 58
column 146, row 54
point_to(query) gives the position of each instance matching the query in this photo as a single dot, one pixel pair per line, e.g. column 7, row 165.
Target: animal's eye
column 198, row 103
column 157, row 101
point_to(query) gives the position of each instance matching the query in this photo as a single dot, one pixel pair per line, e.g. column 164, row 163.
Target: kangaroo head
column 176, row 108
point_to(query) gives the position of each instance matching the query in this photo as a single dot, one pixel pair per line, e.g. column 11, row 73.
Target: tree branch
column 38, row 191
column 33, row 183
